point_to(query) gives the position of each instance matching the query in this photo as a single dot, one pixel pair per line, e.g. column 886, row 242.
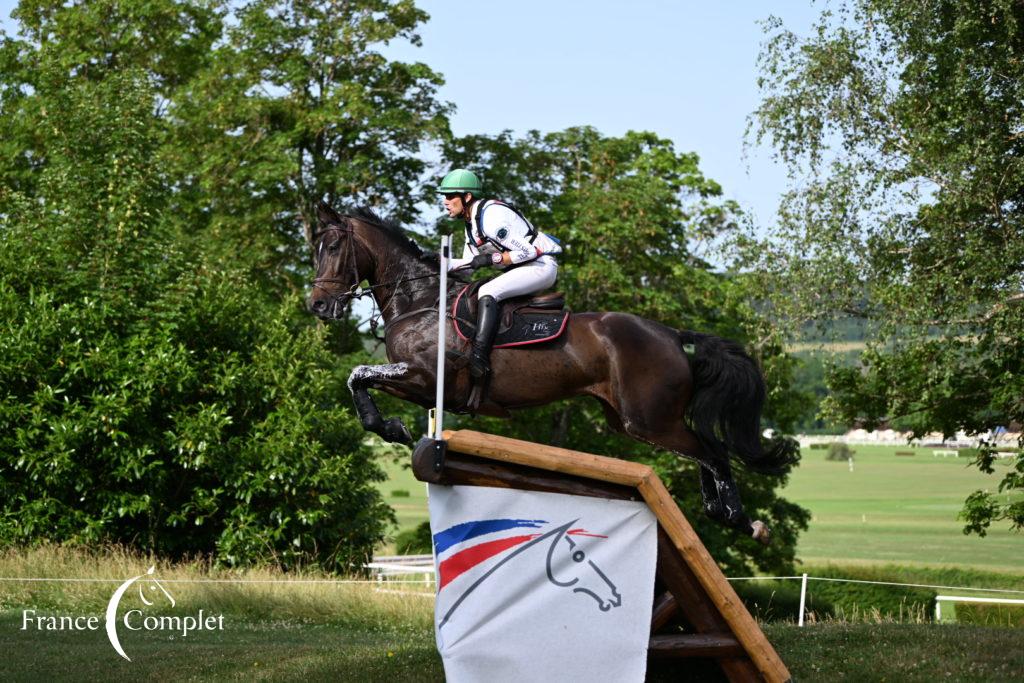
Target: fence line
column 430, row 570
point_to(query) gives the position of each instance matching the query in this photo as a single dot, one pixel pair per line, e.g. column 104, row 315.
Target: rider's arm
column 502, row 226
column 467, row 256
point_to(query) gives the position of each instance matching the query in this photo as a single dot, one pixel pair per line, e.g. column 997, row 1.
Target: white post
column 803, row 600
column 442, row 323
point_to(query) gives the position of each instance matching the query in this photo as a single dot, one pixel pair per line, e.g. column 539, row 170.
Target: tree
column 167, row 41
column 153, row 397
column 640, row 222
column 901, row 123
column 298, row 105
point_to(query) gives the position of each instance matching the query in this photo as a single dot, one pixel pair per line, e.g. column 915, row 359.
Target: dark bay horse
column 705, row 406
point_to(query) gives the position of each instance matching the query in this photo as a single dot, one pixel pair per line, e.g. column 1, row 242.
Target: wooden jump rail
column 718, row 625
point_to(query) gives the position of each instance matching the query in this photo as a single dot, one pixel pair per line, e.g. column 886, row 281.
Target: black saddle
column 530, row 319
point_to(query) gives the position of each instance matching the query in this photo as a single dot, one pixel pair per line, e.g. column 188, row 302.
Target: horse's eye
column 334, row 247
column 578, row 556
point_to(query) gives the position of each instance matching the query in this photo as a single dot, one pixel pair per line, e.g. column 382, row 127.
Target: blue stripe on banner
column 461, row 532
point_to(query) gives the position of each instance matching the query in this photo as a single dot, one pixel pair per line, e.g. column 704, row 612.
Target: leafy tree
column 902, row 125
column 168, row 41
column 150, row 396
column 298, row 105
column 640, row 223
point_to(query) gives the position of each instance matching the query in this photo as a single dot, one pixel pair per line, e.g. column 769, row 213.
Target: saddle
column 530, row 319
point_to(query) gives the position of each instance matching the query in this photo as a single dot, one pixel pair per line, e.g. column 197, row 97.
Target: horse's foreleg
column 359, row 382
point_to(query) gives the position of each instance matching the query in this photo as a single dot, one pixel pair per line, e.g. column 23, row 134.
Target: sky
column 682, row 69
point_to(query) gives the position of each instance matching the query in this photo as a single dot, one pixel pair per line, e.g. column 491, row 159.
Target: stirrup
column 479, row 367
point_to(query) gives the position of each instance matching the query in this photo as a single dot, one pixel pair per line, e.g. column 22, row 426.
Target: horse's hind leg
column 722, row 501
column 718, row 489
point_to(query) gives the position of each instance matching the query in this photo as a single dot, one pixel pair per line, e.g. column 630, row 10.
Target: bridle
column 350, row 265
column 349, row 262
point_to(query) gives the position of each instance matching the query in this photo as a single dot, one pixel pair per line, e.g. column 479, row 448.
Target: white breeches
column 528, row 278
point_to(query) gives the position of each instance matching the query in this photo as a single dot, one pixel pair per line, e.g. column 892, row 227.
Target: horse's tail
column 725, row 410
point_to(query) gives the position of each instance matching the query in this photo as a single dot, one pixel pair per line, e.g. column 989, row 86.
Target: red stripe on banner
column 583, row 532
column 465, row 560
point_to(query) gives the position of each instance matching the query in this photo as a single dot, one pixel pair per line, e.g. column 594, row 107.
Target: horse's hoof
column 761, row 532
column 396, row 432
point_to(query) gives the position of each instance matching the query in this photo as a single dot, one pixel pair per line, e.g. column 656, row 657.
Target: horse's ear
column 325, row 215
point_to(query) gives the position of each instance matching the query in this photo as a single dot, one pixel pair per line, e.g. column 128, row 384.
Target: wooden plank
column 697, row 608
column 547, row 457
column 469, row 470
column 713, row 645
column 713, row 582
column 664, row 609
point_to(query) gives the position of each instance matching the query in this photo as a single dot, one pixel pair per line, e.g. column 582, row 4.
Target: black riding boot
column 486, row 328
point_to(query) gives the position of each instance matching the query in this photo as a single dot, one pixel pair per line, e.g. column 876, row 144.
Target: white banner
column 541, row 586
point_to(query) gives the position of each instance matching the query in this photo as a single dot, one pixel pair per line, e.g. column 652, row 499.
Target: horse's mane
column 397, row 233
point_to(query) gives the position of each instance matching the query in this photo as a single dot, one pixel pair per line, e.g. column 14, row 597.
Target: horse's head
column 341, row 263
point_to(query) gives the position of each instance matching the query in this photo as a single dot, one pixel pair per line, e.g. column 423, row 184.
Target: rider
column 497, row 235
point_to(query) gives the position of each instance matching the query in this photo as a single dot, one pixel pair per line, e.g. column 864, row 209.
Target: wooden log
column 461, row 469
column 713, row 645
column 697, row 609
column 547, row 457
column 713, row 582
column 664, row 609
column 716, row 607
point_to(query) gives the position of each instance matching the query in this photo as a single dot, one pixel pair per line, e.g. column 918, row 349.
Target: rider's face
column 454, row 204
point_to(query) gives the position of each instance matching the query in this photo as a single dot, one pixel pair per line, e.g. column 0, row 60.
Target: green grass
column 245, row 650
column 329, row 632
column 411, row 510
column 897, row 510
column 889, row 510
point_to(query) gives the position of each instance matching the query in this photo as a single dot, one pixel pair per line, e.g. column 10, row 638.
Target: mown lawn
column 889, row 510
column 310, row 627
column 898, row 510
column 294, row 651
column 245, row 650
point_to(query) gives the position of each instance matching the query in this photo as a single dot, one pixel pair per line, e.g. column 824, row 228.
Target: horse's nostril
column 318, row 305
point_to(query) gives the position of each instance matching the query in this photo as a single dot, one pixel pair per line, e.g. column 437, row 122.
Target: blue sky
column 685, row 70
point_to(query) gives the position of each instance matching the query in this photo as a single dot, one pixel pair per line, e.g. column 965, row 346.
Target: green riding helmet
column 461, row 180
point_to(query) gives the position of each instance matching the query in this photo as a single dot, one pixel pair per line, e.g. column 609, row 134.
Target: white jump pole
column 442, row 320
column 803, row 600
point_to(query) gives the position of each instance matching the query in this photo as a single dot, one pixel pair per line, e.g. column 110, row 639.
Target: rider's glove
column 484, row 260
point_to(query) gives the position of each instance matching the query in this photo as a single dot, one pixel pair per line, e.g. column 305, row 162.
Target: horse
column 697, row 395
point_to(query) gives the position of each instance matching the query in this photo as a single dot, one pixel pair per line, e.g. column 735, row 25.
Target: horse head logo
column 593, row 582
column 155, row 589
column 566, row 557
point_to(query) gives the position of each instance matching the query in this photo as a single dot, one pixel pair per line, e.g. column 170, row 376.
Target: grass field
column 278, row 629
column 897, row 509
column 889, row 510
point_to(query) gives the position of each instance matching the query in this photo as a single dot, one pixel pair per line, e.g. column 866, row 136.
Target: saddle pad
column 529, row 326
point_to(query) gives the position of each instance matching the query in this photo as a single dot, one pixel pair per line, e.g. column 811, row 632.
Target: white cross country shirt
column 503, row 230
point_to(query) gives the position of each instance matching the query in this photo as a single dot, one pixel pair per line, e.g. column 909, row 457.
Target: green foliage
column 901, row 123
column 640, row 224
column 415, row 541
column 296, row 105
column 152, row 397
